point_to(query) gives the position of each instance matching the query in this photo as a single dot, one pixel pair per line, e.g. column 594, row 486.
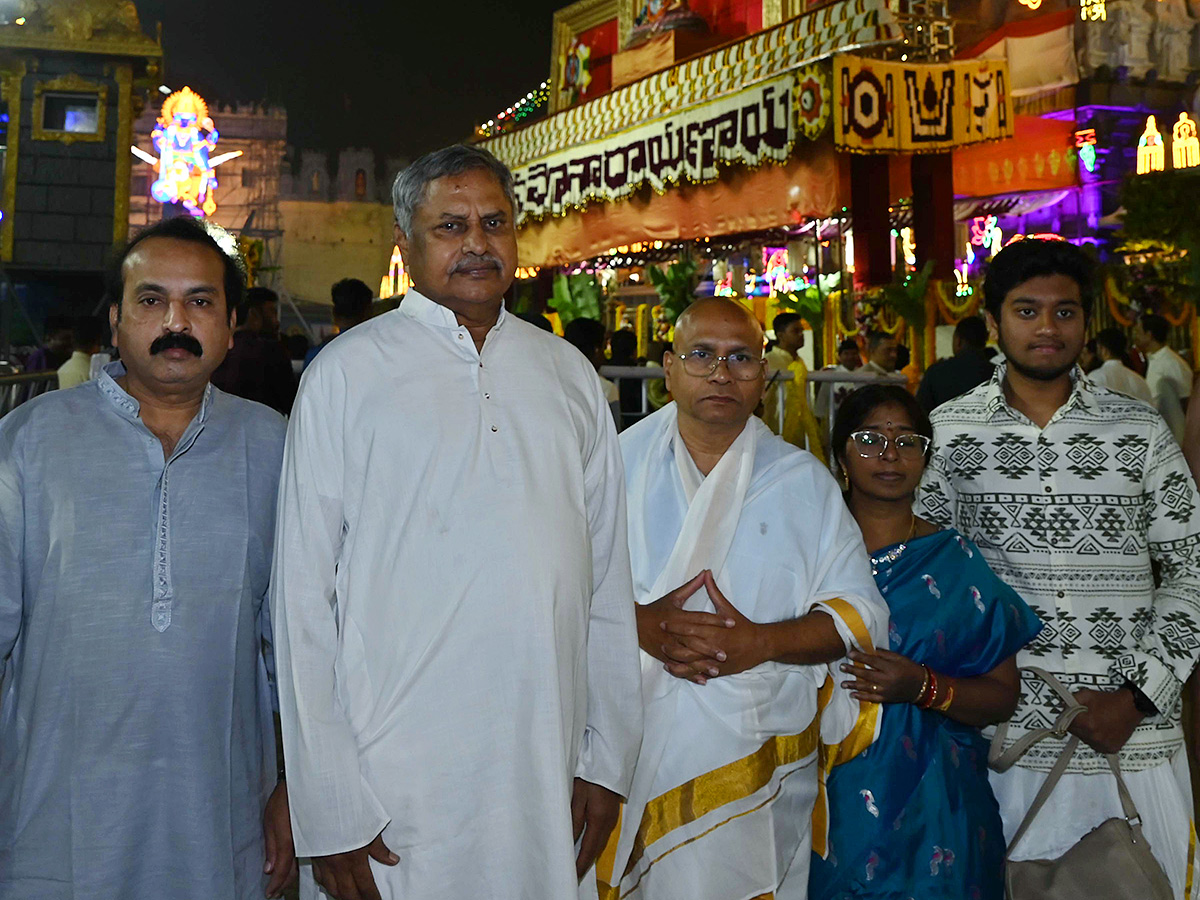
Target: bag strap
column 1002, row 761
column 1064, row 759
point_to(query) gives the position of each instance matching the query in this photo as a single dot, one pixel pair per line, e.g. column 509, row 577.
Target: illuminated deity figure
column 661, row 16
column 1185, row 147
column 1150, row 153
column 184, row 137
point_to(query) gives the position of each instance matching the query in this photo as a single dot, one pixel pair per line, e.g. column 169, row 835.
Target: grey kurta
column 136, row 739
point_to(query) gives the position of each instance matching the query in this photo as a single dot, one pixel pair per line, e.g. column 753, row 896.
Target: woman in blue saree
column 913, row 816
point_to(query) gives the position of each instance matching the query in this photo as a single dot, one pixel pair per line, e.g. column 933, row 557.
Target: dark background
column 399, row 77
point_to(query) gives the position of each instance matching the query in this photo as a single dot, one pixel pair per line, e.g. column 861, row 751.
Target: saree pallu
column 913, row 816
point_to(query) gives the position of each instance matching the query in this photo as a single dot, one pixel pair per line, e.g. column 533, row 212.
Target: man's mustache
column 176, row 341
column 476, row 262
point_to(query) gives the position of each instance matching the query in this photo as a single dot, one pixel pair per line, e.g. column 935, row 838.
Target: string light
column 534, row 102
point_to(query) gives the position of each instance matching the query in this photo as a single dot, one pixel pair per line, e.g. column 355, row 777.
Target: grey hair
column 412, row 184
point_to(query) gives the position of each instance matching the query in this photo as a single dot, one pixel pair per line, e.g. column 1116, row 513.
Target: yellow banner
column 900, row 107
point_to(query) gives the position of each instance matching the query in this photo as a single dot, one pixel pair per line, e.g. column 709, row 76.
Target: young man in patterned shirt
column 1073, row 492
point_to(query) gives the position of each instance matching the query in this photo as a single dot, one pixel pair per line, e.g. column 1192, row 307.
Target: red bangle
column 930, row 697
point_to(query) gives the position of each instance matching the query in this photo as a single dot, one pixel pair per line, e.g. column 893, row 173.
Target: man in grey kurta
column 137, row 749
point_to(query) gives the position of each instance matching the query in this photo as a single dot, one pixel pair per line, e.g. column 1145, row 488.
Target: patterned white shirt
column 1072, row 516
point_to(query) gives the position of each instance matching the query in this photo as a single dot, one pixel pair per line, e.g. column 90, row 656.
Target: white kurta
column 454, row 629
column 729, row 771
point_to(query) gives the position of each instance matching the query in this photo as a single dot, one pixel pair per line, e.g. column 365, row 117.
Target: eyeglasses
column 741, row 365
column 872, row 443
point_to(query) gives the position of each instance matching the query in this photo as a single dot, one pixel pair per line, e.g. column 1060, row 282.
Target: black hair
column 88, row 332
column 189, row 230
column 537, row 320
column 853, row 411
column 255, row 298
column 351, row 298
column 848, row 344
column 972, row 331
column 1155, row 326
column 624, row 347
column 57, row 323
column 1114, row 341
column 586, row 335
column 1032, row 258
column 783, row 320
column 875, row 338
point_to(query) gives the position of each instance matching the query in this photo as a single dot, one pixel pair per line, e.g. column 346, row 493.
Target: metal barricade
column 17, row 389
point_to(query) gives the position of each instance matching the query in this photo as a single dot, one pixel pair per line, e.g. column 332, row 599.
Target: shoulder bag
column 1112, row 861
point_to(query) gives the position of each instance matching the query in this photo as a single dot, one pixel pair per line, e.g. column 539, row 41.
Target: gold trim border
column 734, row 781
column 11, row 81
column 124, row 78
column 15, row 39
column 70, row 83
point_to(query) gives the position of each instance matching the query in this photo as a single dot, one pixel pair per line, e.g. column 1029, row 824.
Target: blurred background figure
column 622, row 351
column 88, row 341
column 258, row 366
column 831, row 394
column 882, row 350
column 55, row 349
column 789, row 374
column 351, row 306
column 969, row 367
column 589, row 338
column 1169, row 377
column 1111, row 371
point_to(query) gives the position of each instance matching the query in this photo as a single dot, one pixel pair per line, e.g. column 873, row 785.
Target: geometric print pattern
column 1075, row 516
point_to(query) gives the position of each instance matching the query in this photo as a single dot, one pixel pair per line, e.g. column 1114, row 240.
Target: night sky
column 398, row 76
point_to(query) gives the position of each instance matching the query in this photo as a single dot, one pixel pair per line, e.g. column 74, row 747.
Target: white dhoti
column 1079, row 803
column 729, row 771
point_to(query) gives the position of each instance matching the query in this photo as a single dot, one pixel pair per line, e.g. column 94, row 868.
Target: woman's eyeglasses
column 873, row 443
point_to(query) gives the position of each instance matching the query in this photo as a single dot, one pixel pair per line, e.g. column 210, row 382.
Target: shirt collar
column 995, row 401
column 417, row 306
column 130, row 408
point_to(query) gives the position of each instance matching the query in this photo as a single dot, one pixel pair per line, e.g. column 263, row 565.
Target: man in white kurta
column 456, row 644
column 736, row 720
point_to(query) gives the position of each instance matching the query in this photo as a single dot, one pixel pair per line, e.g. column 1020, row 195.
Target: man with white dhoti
column 741, row 694
column 458, row 675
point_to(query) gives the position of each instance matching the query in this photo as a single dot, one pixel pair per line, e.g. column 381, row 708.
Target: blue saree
column 913, row 816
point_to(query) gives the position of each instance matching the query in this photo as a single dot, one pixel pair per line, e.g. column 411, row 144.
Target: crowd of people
column 442, row 632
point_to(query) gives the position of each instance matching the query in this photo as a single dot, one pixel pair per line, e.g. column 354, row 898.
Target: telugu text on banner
column 890, row 107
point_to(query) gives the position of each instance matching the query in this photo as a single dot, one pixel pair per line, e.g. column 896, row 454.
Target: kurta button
column 494, row 428
column 1047, row 489
column 460, row 337
column 487, row 396
column 1061, row 595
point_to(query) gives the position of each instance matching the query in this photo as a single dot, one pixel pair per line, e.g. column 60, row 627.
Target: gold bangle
column 924, row 684
column 945, row 704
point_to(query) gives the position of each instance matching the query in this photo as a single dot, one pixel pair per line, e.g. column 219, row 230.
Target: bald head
column 718, row 313
column 709, row 331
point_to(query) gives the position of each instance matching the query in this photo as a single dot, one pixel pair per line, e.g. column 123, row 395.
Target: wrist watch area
column 1141, row 702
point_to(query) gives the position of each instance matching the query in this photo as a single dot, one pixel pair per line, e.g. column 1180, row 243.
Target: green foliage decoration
column 676, row 286
column 576, row 297
column 1162, row 214
column 905, row 296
